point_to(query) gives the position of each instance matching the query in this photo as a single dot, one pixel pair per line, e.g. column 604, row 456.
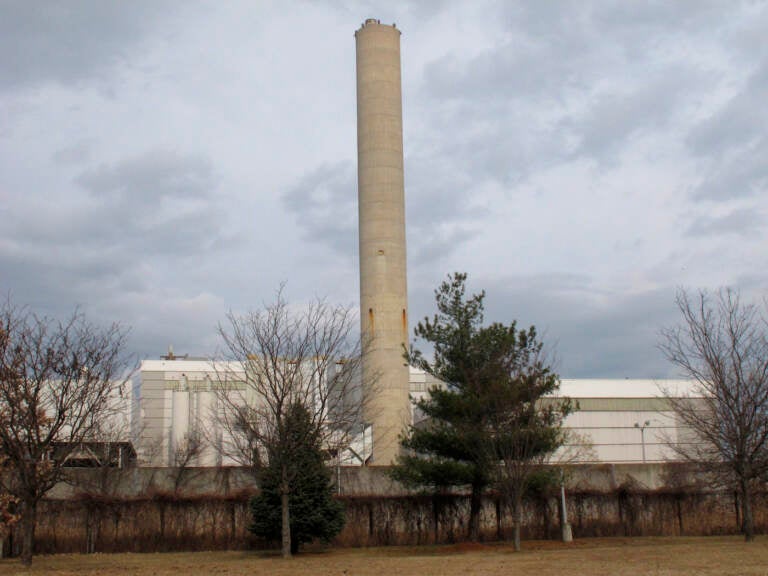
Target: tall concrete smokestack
column 381, row 199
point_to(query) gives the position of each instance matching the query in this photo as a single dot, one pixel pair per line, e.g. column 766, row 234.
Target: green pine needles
column 313, row 511
column 487, row 425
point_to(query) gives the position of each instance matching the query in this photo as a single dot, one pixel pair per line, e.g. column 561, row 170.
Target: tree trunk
column 286, row 519
column 436, row 518
column 28, row 521
column 232, row 523
column 746, row 508
column 499, row 531
column 90, row 540
column 517, row 515
column 162, row 525
column 116, row 520
column 476, row 502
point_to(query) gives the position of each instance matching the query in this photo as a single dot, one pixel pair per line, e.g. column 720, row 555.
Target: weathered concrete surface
column 348, row 480
column 381, row 205
column 165, row 522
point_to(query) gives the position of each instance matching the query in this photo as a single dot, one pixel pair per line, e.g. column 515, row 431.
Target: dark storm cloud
column 741, row 222
column 66, row 41
column 324, row 203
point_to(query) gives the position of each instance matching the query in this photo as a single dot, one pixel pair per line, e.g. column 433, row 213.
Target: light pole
column 642, row 428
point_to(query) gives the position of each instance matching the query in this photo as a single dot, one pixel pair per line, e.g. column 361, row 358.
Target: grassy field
column 620, row 556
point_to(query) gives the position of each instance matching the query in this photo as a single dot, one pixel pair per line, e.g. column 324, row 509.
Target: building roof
column 626, row 388
column 183, row 365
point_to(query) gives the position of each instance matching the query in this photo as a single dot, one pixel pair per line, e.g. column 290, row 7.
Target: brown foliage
column 166, row 521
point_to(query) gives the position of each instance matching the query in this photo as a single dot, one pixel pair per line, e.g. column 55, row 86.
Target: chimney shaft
column 381, row 202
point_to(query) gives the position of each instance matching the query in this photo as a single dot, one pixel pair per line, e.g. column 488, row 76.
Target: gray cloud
column 441, row 214
column 151, row 178
column 741, row 222
column 159, row 202
column 77, row 153
column 564, row 80
column 740, row 121
column 142, row 210
column 742, row 172
column 609, row 334
column 67, row 41
column 572, row 81
column 613, row 118
column 419, row 10
column 733, row 143
column 324, row 202
column 620, row 141
column 591, row 333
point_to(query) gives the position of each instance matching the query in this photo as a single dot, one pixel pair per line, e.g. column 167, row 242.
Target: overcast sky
column 162, row 163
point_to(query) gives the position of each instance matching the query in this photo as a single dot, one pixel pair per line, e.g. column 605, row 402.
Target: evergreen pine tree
column 489, row 409
column 313, row 511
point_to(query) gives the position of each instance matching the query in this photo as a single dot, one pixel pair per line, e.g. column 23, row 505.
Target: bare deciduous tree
column 185, row 455
column 526, row 424
column 57, row 382
column 722, row 344
column 99, row 462
column 8, row 515
column 97, row 467
column 279, row 357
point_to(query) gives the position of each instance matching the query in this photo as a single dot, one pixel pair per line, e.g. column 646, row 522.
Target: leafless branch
column 722, row 345
column 278, row 357
column 58, row 383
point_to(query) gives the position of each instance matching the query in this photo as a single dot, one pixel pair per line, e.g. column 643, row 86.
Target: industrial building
column 617, row 421
column 621, row 421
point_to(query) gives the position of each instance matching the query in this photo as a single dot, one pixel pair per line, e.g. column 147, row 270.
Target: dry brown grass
column 620, row 556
